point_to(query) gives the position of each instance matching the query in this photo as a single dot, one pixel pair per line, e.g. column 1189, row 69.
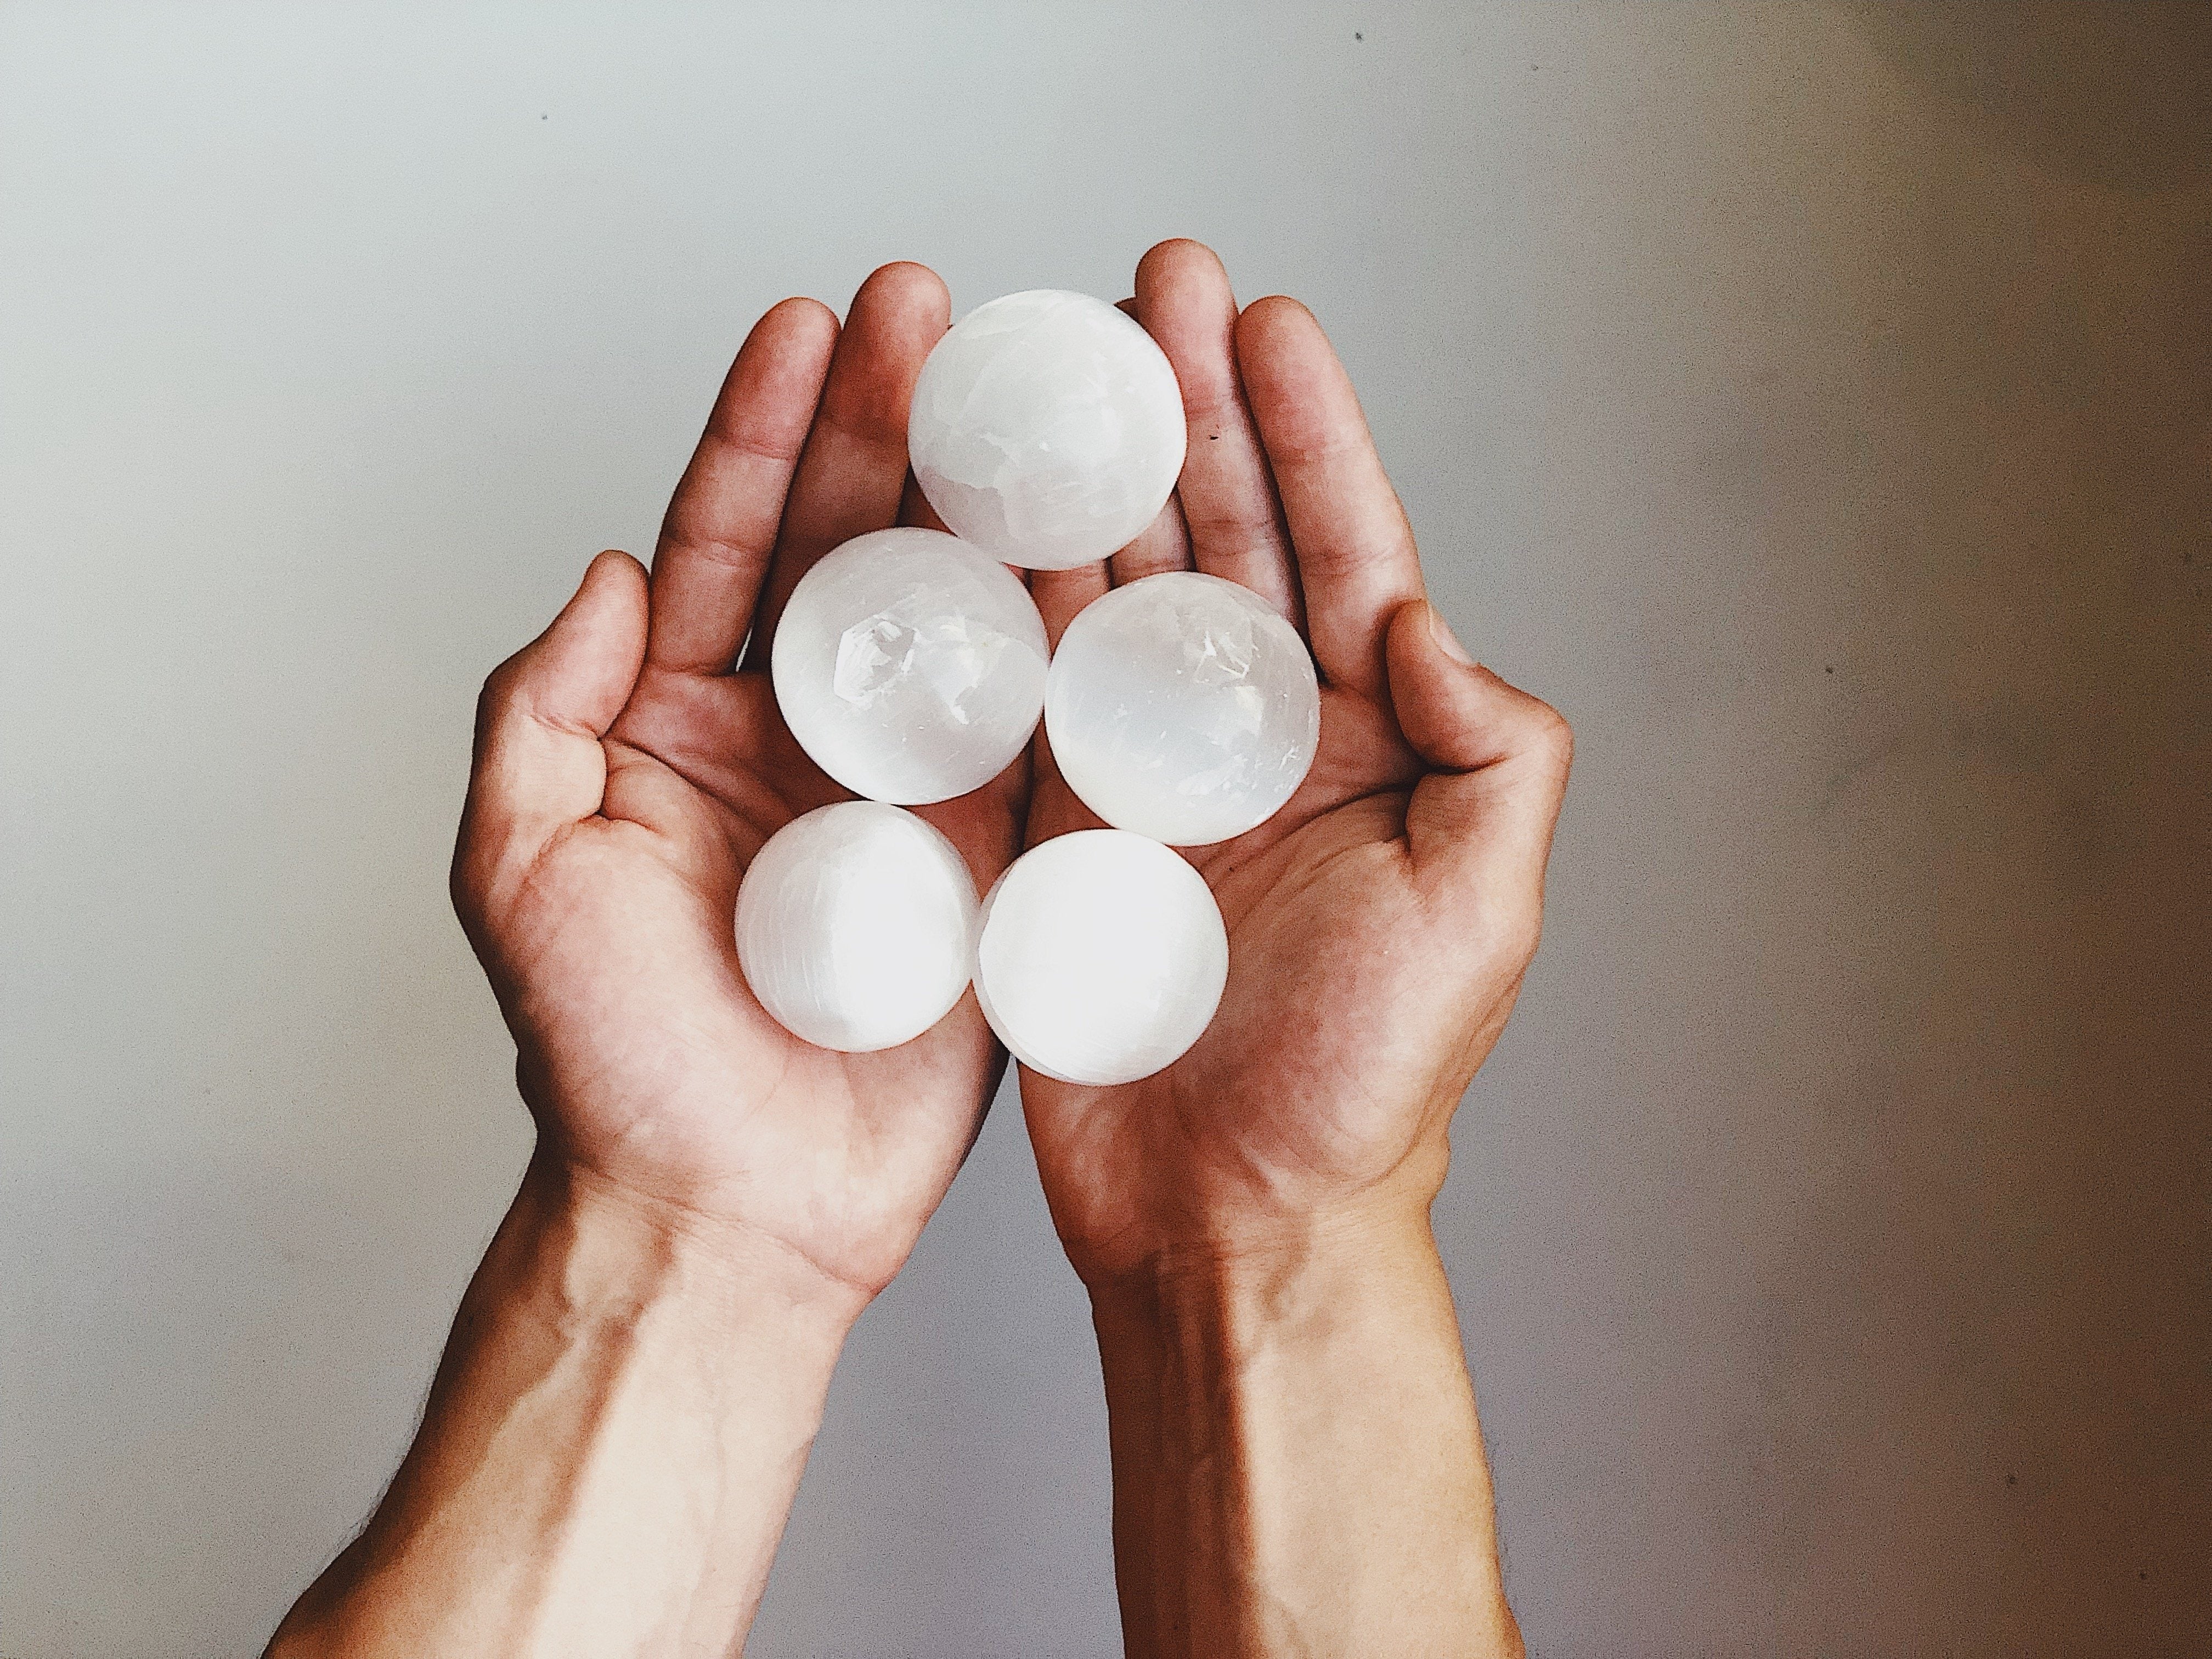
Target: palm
column 1313, row 901
column 644, row 1054
column 705, row 770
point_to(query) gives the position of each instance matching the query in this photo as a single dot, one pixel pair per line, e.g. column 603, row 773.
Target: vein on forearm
column 1297, row 1457
column 605, row 1458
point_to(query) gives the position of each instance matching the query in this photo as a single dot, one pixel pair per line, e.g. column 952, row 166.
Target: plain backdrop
column 1812, row 402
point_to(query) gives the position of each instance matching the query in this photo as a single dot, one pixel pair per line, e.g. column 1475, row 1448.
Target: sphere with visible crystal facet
column 1101, row 958
column 909, row 665
column 1183, row 707
column 856, row 926
column 1046, row 427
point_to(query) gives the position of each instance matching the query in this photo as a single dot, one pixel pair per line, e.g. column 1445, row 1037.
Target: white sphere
column 1046, row 427
column 1101, row 958
column 909, row 666
column 856, row 926
column 1183, row 707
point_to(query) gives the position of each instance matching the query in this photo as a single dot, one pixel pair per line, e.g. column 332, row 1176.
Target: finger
column 1164, row 546
column 854, row 469
column 1235, row 527
column 1480, row 826
column 1053, row 808
column 915, row 510
column 1356, row 562
column 538, row 765
column 1165, row 543
column 721, row 523
column 1060, row 593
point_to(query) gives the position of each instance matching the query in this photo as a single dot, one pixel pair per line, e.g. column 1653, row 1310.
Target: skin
column 620, row 1422
column 1283, row 1370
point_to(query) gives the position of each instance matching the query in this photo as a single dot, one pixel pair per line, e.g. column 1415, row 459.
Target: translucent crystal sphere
column 1102, row 958
column 909, row 665
column 1046, row 429
column 856, row 926
column 1183, row 707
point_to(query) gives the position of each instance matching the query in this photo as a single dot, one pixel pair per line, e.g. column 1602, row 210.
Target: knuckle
column 461, row 885
column 1551, row 736
column 501, row 692
column 488, row 862
column 468, row 879
column 499, row 684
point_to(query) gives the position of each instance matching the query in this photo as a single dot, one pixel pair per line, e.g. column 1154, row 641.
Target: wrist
column 1193, row 1218
column 604, row 1253
column 1238, row 1265
column 1237, row 1298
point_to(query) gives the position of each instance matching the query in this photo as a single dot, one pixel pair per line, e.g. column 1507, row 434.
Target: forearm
column 609, row 1451
column 1297, row 1466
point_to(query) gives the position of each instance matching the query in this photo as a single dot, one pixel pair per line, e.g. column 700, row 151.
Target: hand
column 1380, row 924
column 624, row 777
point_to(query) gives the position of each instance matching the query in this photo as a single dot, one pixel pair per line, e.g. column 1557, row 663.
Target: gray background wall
column 1812, row 402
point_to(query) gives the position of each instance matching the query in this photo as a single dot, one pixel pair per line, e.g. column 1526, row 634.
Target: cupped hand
column 626, row 769
column 1380, row 924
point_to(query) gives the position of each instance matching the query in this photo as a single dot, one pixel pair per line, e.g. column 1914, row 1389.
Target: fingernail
column 1446, row 640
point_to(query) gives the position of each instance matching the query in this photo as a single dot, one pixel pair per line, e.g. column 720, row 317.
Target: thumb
column 1481, row 823
column 537, row 765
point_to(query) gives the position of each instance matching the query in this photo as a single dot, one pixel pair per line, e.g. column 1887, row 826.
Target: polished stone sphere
column 909, row 666
column 1046, row 429
column 1183, row 707
column 1101, row 958
column 856, row 926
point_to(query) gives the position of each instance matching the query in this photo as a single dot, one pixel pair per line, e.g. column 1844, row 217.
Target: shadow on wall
column 2119, row 96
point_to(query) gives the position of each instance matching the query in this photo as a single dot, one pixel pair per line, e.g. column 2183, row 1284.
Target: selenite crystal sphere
column 1046, row 429
column 1101, row 958
column 909, row 665
column 856, row 926
column 1183, row 707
